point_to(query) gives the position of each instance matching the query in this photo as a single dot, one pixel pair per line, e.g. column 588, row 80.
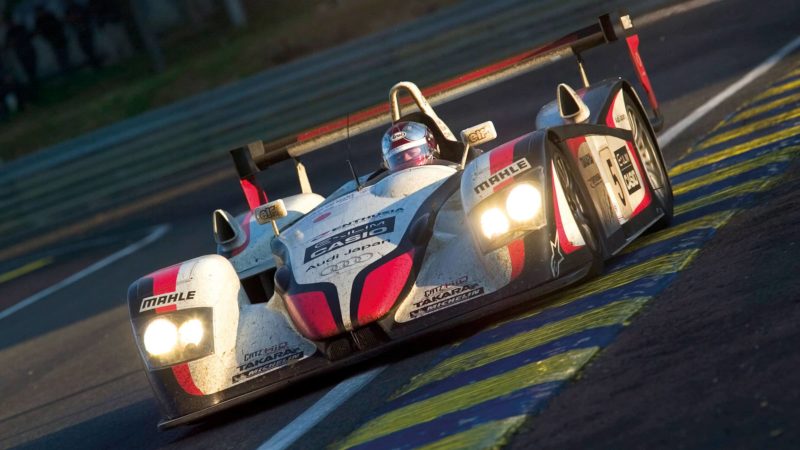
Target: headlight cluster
column 161, row 336
column 517, row 208
column 177, row 337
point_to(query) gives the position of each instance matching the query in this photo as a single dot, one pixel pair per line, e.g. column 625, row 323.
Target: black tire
column 646, row 144
column 580, row 209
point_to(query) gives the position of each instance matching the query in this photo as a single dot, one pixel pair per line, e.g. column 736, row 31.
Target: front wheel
column 653, row 164
column 578, row 208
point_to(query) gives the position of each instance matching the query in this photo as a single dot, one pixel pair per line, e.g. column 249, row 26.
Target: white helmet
column 408, row 144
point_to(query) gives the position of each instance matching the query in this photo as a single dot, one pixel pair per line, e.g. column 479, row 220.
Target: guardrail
column 140, row 156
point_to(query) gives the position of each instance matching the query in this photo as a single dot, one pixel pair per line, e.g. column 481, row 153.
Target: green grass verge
column 197, row 60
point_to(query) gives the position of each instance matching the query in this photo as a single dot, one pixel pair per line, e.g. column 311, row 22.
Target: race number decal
column 629, row 176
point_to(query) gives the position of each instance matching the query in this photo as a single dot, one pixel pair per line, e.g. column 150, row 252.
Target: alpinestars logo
column 557, row 258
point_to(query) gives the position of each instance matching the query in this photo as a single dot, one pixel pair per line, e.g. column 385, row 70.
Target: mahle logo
column 157, row 301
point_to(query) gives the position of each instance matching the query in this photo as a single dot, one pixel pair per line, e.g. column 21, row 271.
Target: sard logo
column 351, row 236
column 158, row 301
column 507, row 172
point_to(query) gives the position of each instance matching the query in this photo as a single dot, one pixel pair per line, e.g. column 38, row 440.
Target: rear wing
column 256, row 156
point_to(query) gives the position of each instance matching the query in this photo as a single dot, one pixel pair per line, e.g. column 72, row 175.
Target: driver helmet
column 408, row 144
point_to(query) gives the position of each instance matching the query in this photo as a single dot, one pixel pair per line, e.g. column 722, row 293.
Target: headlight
column 494, row 223
column 175, row 337
column 191, row 332
column 510, row 213
column 523, row 202
column 160, row 337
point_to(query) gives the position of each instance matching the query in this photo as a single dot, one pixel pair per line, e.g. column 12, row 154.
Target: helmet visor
column 414, row 156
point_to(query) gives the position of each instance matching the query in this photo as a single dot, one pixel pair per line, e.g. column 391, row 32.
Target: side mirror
column 477, row 135
column 228, row 234
column 270, row 212
column 570, row 105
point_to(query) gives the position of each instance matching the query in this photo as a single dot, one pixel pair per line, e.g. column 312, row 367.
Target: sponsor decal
column 264, row 360
column 158, row 301
column 557, row 258
column 595, row 180
column 270, row 212
column 588, row 169
column 358, row 221
column 449, row 294
column 346, row 264
column 626, row 167
column 478, row 135
column 509, row 171
column 351, row 236
column 398, row 135
column 616, row 186
column 350, row 253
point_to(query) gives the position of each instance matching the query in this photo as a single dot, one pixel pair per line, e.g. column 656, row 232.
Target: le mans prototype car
column 306, row 284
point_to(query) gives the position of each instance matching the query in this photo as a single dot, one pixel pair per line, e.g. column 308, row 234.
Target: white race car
column 305, row 284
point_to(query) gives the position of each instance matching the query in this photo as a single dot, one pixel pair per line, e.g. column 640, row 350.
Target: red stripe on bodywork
column 168, row 308
column 246, row 228
column 165, row 279
column 610, row 116
column 311, row 314
column 501, row 157
column 633, row 50
column 184, row 377
column 574, row 145
column 435, row 89
column 253, row 193
column 516, row 253
column 566, row 246
column 382, row 287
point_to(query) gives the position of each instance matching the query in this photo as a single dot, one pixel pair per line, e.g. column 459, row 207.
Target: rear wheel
column 578, row 206
column 653, row 164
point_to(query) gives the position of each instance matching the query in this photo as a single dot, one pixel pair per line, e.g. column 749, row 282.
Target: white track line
column 346, row 389
column 319, row 410
column 668, row 136
column 155, row 235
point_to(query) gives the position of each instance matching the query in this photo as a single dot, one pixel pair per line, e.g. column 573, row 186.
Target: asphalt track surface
column 709, row 361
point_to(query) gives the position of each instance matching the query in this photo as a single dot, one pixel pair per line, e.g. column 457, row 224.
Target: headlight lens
column 511, row 213
column 191, row 332
column 523, row 202
column 494, row 223
column 160, row 337
column 175, row 337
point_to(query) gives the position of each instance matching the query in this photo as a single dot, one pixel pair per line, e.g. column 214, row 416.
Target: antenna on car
column 350, row 163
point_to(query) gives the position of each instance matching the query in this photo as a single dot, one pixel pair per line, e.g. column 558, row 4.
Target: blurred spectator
column 109, row 22
column 20, row 40
column 52, row 30
column 10, row 93
column 81, row 20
